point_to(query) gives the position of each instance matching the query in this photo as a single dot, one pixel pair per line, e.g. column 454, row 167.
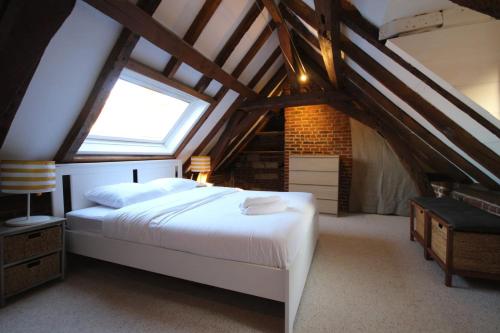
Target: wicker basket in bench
column 463, row 240
column 26, row 275
column 471, row 254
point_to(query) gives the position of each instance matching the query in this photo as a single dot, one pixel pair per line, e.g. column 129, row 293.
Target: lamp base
column 202, row 177
column 24, row 221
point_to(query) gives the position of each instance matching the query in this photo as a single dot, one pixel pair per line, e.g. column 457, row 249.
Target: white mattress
column 87, row 219
column 215, row 229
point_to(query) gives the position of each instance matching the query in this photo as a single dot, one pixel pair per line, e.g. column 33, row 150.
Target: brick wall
column 321, row 130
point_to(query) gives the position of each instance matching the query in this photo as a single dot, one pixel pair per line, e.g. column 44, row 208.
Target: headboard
column 73, row 180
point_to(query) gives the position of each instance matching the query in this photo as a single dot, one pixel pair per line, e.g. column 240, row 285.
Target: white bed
column 266, row 255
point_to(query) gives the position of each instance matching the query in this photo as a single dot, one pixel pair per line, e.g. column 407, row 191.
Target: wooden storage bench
column 463, row 240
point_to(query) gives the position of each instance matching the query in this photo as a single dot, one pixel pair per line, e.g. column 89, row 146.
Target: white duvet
column 207, row 221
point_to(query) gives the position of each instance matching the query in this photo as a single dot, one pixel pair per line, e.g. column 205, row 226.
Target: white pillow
column 123, row 194
column 174, row 184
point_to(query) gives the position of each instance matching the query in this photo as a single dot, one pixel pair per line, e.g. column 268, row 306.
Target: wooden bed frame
column 73, row 180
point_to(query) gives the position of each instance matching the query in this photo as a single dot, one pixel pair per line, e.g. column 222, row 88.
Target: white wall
column 466, row 57
column 61, row 84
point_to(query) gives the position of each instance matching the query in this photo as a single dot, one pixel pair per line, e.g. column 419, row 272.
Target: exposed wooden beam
column 439, row 19
column 232, row 42
column 284, row 38
column 256, row 46
column 142, row 24
column 269, row 88
column 243, row 143
column 264, row 68
column 195, row 29
column 272, row 84
column 310, row 51
column 457, row 162
column 433, row 150
column 329, row 97
column 299, row 27
column 395, row 140
column 454, row 132
column 409, row 162
column 354, row 21
column 422, row 139
column 26, row 28
column 201, row 147
column 136, row 66
column 313, row 62
column 317, row 73
column 107, row 78
column 327, row 14
column 243, row 131
column 216, row 154
column 200, row 122
column 247, row 58
column 239, row 134
column 488, row 7
column 411, row 24
column 308, row 44
column 302, row 10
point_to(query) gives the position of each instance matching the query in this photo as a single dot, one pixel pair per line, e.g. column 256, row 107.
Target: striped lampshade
column 200, row 163
column 27, row 176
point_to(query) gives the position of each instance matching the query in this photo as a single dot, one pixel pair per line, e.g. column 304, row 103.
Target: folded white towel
column 250, row 201
column 271, row 208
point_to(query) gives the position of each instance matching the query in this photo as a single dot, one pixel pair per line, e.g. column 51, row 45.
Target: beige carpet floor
column 366, row 277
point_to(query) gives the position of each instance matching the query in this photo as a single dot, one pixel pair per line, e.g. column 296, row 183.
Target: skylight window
column 133, row 112
column 142, row 116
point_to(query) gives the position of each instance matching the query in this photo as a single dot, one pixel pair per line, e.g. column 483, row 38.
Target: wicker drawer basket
column 419, row 220
column 439, row 237
column 27, row 245
column 463, row 253
column 471, row 251
column 26, row 275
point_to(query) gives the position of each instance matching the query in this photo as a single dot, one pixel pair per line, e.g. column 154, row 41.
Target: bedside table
column 31, row 256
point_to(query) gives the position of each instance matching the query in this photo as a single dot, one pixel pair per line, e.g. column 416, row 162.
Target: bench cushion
column 461, row 216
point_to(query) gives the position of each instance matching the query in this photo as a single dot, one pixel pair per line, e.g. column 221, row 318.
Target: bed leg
column 289, row 319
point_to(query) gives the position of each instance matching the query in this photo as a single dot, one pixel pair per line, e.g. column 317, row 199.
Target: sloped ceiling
column 61, row 83
column 74, row 57
column 439, row 117
column 76, row 54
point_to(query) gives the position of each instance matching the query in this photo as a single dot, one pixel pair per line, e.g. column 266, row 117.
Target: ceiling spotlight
column 303, row 78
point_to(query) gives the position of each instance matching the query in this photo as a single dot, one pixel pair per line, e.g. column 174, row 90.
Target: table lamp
column 201, row 164
column 27, row 177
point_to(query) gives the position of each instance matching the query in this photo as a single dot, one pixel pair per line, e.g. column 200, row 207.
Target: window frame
column 102, row 145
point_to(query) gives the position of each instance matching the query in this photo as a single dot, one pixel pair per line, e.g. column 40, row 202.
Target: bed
column 266, row 255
